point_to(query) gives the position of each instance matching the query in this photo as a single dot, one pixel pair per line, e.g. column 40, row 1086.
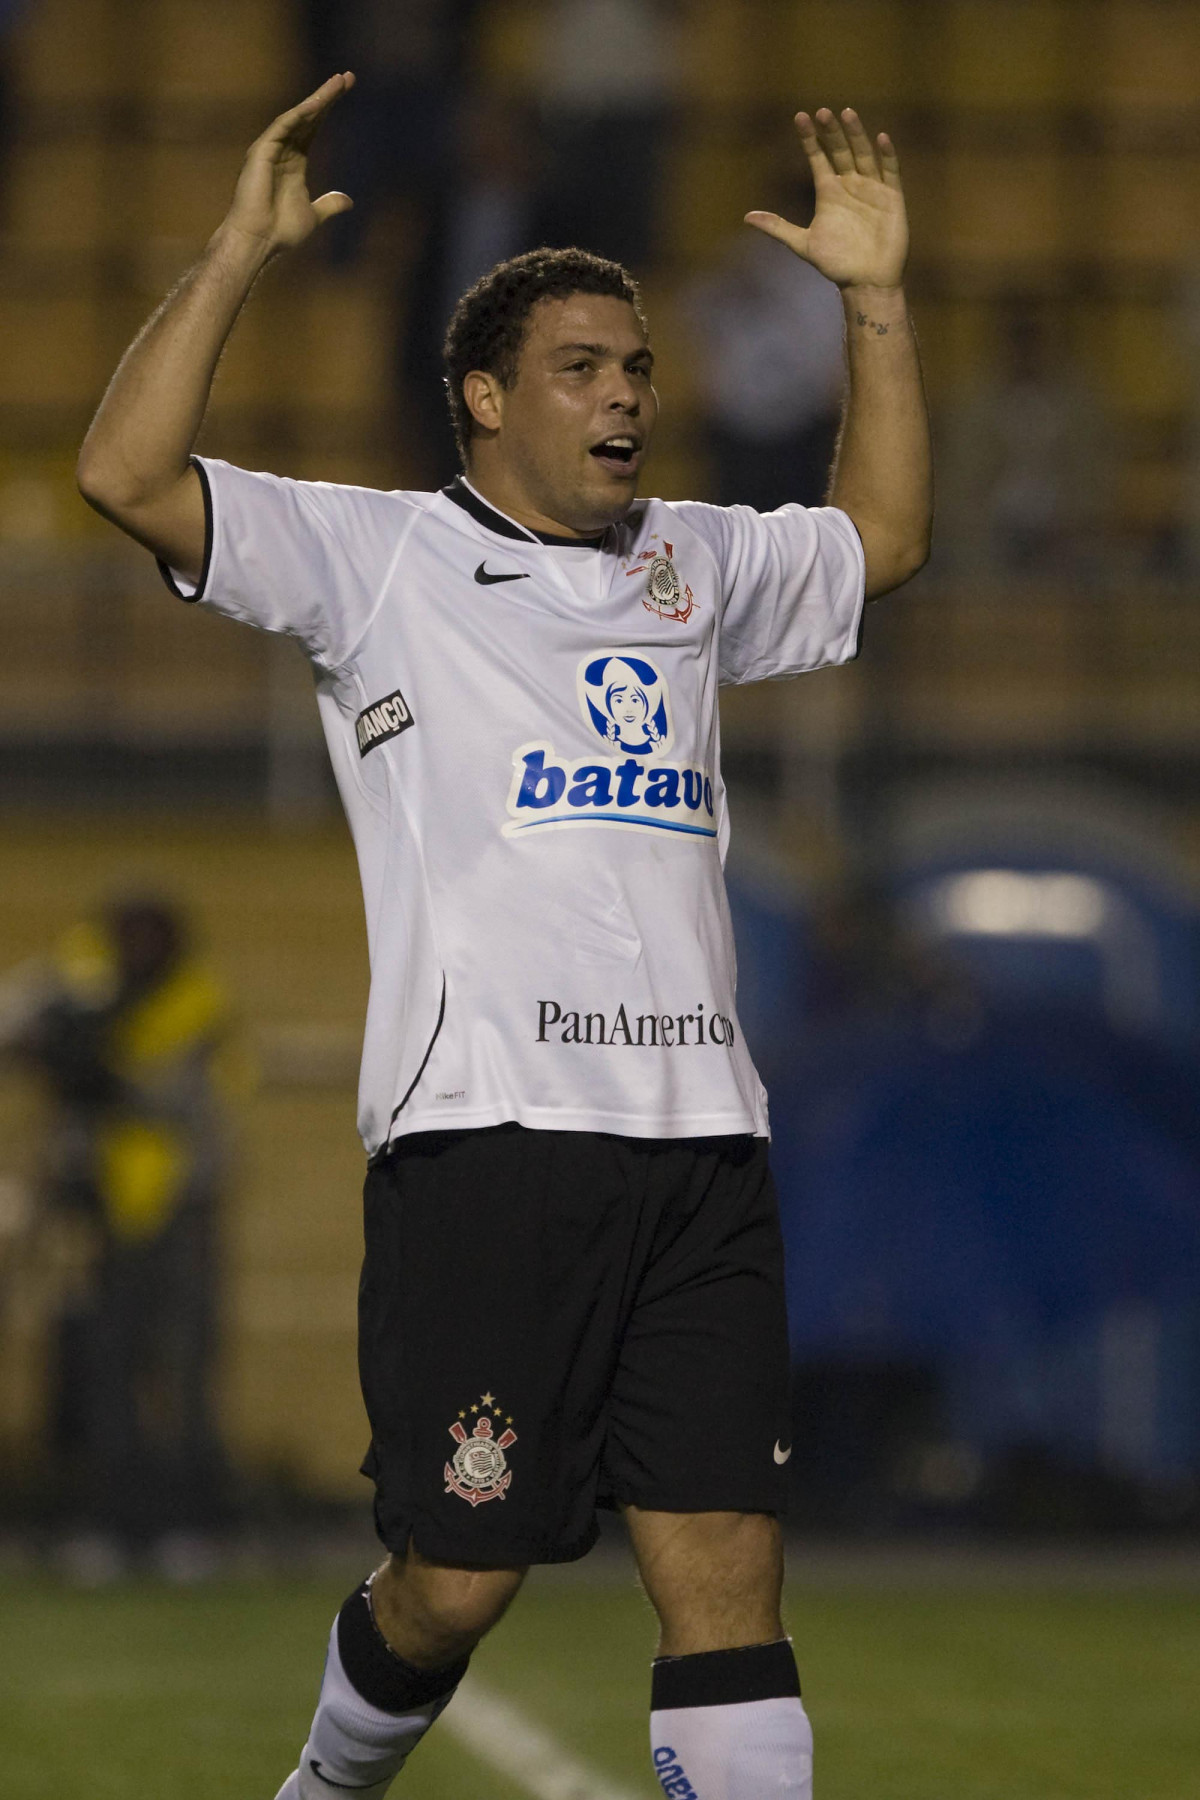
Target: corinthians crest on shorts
column 478, row 1470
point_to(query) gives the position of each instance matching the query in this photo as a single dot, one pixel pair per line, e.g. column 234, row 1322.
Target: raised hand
column 859, row 233
column 271, row 203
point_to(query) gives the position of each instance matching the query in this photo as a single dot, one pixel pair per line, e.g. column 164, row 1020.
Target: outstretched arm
column 134, row 465
column 883, row 475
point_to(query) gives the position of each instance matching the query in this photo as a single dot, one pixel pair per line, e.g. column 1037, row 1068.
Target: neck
column 507, row 498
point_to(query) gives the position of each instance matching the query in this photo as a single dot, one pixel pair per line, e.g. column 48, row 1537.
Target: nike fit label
column 486, row 580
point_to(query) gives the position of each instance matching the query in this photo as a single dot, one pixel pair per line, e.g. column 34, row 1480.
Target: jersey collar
column 463, row 494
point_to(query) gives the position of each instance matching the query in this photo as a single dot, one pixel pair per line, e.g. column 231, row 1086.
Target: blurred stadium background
column 964, row 875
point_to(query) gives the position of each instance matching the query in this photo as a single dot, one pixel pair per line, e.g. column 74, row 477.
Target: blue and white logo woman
column 626, row 701
column 630, row 782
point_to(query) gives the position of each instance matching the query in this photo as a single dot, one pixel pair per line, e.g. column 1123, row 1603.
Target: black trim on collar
column 165, row 572
column 483, row 514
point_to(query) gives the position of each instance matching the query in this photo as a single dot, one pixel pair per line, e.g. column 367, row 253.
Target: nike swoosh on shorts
column 781, row 1456
column 486, row 580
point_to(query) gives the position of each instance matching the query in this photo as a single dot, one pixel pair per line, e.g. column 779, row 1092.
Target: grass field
column 917, row 1692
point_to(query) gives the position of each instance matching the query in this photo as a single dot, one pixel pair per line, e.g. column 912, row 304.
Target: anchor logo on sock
column 479, row 1469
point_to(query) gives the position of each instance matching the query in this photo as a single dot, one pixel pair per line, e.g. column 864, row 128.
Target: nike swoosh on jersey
column 781, row 1456
column 486, row 580
column 345, row 1787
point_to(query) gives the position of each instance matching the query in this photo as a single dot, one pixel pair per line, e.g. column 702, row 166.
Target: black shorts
column 551, row 1321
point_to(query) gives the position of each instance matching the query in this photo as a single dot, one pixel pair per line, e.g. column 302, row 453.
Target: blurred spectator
column 394, row 141
column 1024, row 476
column 771, row 368
column 125, row 1032
column 11, row 14
column 489, row 215
column 1187, row 553
column 606, row 91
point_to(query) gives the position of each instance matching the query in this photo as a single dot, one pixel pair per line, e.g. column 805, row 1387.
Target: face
column 146, row 939
column 567, row 440
column 628, row 706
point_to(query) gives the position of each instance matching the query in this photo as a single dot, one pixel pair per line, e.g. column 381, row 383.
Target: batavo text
column 669, row 1770
column 667, row 796
column 647, row 1030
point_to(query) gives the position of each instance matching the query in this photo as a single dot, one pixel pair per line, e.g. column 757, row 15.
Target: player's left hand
column 859, row 233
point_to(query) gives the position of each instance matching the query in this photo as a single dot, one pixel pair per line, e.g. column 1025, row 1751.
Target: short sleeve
column 793, row 587
column 308, row 558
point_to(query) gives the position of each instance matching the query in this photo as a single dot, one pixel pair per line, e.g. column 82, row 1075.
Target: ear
column 485, row 399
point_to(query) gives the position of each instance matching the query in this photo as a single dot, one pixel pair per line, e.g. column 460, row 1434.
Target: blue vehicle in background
column 985, row 1095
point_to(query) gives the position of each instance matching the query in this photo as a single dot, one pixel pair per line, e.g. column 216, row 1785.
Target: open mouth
column 619, row 452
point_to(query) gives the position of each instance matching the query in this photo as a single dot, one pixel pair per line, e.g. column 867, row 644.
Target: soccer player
column 572, row 1287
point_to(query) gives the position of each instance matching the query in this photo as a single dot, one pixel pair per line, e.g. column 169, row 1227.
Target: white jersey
column 524, row 733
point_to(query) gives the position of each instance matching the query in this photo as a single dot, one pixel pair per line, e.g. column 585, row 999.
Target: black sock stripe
column 725, row 1677
column 376, row 1672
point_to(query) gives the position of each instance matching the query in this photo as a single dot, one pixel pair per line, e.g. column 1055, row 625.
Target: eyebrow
column 601, row 350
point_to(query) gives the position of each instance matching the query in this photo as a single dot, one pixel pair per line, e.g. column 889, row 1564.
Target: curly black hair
column 488, row 325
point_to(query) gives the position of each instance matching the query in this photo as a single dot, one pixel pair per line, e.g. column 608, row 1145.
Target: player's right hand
column 271, row 203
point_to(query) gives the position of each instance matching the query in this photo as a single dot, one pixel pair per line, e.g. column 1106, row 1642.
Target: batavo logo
column 670, row 1772
column 625, row 701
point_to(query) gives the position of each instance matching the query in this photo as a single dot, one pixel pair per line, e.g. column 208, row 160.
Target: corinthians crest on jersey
column 478, row 1471
column 665, row 593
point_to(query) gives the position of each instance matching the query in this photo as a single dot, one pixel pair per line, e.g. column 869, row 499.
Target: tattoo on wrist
column 860, row 318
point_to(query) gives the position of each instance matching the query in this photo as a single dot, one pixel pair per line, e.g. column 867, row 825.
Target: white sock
column 730, row 1725
column 361, row 1740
